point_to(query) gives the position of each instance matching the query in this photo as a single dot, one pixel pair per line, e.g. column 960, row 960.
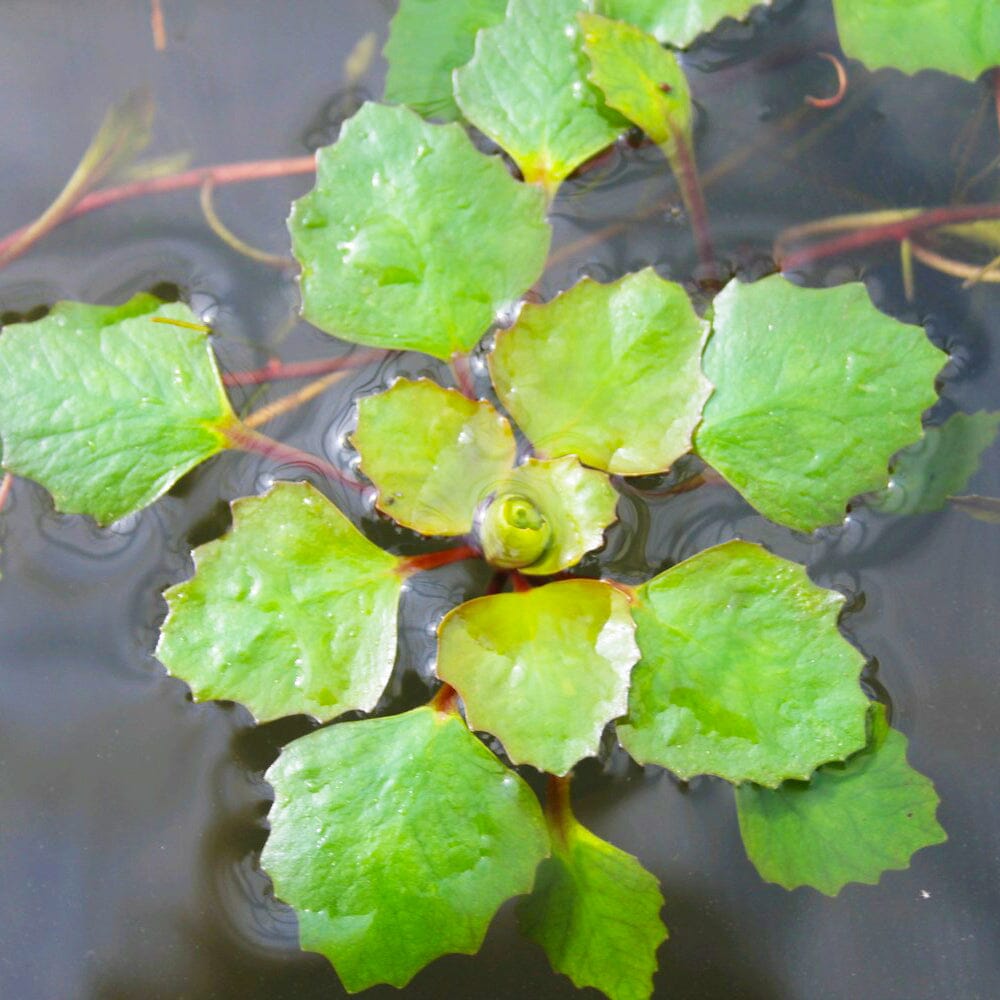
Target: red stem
column 276, row 369
column 445, row 700
column 224, row 173
column 520, row 583
column 558, row 806
column 5, row 487
column 889, row 232
column 432, row 560
column 462, row 371
column 245, row 439
column 687, row 177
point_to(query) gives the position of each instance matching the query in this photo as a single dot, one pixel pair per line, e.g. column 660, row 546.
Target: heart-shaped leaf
column 432, row 454
column 596, row 912
column 611, row 373
column 396, row 840
column 911, row 35
column 527, row 89
column 413, row 239
column 293, row 611
column 106, row 408
column 427, row 40
column 545, row 670
column 743, row 672
column 546, row 515
column 815, row 390
column 940, row 465
column 677, row 22
column 850, row 823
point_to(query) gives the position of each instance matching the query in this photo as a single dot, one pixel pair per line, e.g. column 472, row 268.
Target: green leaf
column 611, row 373
column 411, row 238
column 596, row 912
column 677, row 22
column 815, row 390
column 940, row 465
column 743, row 672
column 527, row 89
column 567, row 507
column 545, row 670
column 911, row 35
column 106, row 408
column 639, row 78
column 396, row 840
column 427, row 40
column 850, row 823
column 981, row 508
column 432, row 454
column 293, row 611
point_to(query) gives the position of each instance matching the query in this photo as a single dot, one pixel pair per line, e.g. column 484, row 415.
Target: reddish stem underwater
column 276, row 369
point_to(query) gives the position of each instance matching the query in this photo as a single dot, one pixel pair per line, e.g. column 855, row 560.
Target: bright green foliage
column 596, row 912
column 957, row 37
column 743, row 672
column 639, row 78
column 545, row 670
column 850, row 823
column 677, row 22
column 577, row 504
column 939, row 465
column 396, row 840
column 634, row 403
column 293, row 611
column 413, row 239
column 815, row 390
column 527, row 89
column 107, row 409
column 432, row 454
column 427, row 40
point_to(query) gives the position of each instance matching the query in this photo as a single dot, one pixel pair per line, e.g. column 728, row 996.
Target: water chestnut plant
column 397, row 837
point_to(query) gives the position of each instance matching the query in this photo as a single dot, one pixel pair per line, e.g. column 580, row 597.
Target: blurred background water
column 131, row 819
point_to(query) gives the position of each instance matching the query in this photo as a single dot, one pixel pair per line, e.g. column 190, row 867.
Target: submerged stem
column 293, row 400
column 432, row 560
column 5, row 487
column 681, row 158
column 558, row 807
column 230, row 238
column 275, row 369
column 244, row 438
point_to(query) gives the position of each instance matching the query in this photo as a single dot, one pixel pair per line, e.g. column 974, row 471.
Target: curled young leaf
column 396, row 840
column 107, row 408
column 293, row 611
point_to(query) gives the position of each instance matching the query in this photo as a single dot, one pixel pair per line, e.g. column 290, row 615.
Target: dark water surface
column 130, row 818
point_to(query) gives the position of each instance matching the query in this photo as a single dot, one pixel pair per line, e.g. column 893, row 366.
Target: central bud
column 513, row 532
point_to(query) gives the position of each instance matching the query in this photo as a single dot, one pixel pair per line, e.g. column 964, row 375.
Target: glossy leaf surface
column 545, row 670
column 850, row 823
column 396, row 840
column 815, row 390
column 575, row 504
column 411, row 238
column 596, row 912
column 611, row 373
column 639, row 78
column 293, row 611
column 677, row 22
column 428, row 39
column 432, row 454
column 911, row 35
column 939, row 465
column 743, row 673
column 526, row 87
column 107, row 409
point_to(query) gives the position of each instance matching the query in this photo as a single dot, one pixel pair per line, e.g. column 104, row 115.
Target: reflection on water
column 132, row 818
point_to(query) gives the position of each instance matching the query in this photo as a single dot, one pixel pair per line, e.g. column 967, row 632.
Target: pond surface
column 131, row 818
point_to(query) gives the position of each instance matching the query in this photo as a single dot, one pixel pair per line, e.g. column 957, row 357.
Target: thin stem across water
column 245, row 438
